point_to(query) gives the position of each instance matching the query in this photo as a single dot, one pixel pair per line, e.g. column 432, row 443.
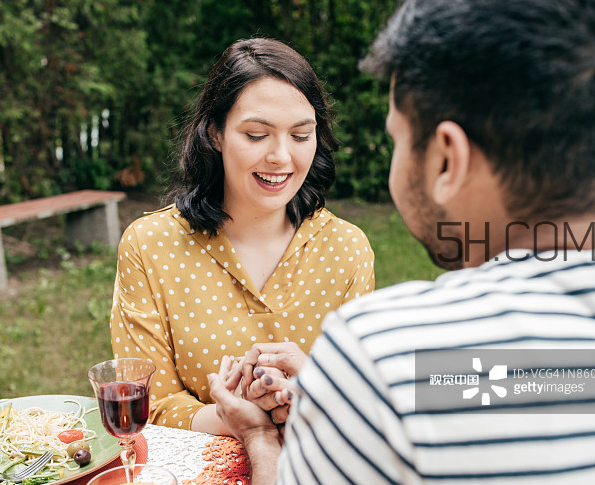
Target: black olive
column 82, row 457
column 77, row 445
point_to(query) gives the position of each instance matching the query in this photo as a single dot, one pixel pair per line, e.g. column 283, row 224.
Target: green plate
column 104, row 448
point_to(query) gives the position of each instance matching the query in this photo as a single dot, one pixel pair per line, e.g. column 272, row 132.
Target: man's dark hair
column 518, row 76
column 242, row 63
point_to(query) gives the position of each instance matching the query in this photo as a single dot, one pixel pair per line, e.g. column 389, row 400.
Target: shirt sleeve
column 336, row 433
column 140, row 328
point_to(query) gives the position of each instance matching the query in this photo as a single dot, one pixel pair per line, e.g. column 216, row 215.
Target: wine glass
column 122, row 390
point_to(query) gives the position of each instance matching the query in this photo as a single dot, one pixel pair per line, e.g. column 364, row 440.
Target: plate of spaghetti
column 31, row 425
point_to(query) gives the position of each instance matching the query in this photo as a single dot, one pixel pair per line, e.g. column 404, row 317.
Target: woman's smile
column 272, row 182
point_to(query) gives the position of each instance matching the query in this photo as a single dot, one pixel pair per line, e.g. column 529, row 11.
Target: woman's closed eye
column 262, row 137
column 255, row 137
column 301, row 137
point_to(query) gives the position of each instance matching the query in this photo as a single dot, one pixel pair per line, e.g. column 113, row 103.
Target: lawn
column 56, row 325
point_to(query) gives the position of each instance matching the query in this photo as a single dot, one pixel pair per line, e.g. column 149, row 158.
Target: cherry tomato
column 71, row 435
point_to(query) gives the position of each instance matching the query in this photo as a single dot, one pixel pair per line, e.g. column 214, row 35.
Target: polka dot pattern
column 185, row 303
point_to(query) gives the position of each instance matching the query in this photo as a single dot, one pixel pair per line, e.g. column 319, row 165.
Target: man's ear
column 451, row 161
column 214, row 136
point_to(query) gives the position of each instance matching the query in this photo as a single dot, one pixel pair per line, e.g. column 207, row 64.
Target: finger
column 279, row 414
column 287, row 395
column 244, row 387
column 283, row 397
column 270, row 391
column 254, row 390
column 233, row 377
column 251, row 357
column 225, row 366
column 270, row 383
column 237, row 362
column 219, row 393
column 288, row 363
column 266, row 402
column 249, row 362
column 262, row 370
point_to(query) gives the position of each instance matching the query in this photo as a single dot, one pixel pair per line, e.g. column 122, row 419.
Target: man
column 492, row 113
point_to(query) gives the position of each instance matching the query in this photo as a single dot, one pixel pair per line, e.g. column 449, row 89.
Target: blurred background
column 92, row 92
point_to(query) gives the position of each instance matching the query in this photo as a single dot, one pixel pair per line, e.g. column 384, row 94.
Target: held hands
column 244, row 419
column 266, row 370
column 262, row 377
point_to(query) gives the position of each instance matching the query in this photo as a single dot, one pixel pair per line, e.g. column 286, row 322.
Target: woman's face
column 267, row 146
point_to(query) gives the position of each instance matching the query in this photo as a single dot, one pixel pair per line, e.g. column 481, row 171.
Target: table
column 178, row 450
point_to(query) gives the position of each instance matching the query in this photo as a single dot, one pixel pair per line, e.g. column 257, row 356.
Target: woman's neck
column 260, row 242
column 245, row 225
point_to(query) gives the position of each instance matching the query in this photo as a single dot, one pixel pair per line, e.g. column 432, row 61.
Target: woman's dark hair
column 201, row 165
column 517, row 76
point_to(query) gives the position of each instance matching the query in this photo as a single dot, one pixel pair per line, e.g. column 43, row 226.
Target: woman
column 247, row 253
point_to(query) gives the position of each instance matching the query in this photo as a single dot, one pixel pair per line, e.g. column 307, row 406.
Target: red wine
column 124, row 408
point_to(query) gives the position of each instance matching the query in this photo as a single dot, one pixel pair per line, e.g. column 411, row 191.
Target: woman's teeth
column 272, row 179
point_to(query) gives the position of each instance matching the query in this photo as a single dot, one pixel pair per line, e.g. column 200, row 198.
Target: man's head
column 518, row 77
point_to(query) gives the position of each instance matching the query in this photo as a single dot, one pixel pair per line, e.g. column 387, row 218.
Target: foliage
column 92, row 92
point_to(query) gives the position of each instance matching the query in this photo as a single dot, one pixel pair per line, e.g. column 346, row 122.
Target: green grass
column 55, row 329
column 56, row 326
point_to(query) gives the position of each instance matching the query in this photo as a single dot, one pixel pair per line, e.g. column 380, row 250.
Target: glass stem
column 128, row 457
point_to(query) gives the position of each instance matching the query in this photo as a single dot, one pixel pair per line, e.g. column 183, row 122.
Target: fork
column 28, row 471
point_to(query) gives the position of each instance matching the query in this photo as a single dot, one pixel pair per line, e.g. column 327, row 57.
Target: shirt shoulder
column 165, row 221
column 341, row 230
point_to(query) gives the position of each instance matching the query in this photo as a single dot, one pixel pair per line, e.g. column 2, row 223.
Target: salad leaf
column 32, row 449
column 5, row 418
column 6, row 461
column 42, row 477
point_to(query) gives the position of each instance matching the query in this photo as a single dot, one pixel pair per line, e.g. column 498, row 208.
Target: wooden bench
column 91, row 215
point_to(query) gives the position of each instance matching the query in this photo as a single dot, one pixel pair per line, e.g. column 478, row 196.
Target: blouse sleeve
column 140, row 328
column 362, row 280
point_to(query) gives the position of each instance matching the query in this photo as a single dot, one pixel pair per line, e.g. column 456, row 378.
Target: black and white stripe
column 354, row 419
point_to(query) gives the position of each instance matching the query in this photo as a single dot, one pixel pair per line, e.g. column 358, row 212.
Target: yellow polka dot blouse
column 183, row 300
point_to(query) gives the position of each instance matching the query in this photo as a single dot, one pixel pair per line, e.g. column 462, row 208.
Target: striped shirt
column 353, row 419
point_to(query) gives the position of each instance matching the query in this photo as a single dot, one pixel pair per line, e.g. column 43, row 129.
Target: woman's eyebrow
column 262, row 121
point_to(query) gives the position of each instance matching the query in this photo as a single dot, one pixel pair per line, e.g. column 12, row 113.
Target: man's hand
column 248, row 423
column 244, row 419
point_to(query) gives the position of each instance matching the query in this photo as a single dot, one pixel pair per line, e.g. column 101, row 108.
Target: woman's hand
column 267, row 369
column 260, row 391
column 245, row 420
column 286, row 356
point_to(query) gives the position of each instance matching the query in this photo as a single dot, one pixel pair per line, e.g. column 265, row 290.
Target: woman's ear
column 452, row 162
column 214, row 136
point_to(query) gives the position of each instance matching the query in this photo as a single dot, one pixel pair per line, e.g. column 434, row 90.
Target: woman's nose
column 279, row 153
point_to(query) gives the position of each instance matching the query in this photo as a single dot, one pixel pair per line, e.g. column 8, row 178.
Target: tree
column 92, row 92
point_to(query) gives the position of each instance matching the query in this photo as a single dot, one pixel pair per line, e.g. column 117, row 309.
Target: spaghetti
column 38, row 427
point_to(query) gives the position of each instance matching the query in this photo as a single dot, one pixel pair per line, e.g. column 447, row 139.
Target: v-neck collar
column 219, row 247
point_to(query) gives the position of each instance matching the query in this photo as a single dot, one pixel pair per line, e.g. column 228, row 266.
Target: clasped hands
column 254, row 394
